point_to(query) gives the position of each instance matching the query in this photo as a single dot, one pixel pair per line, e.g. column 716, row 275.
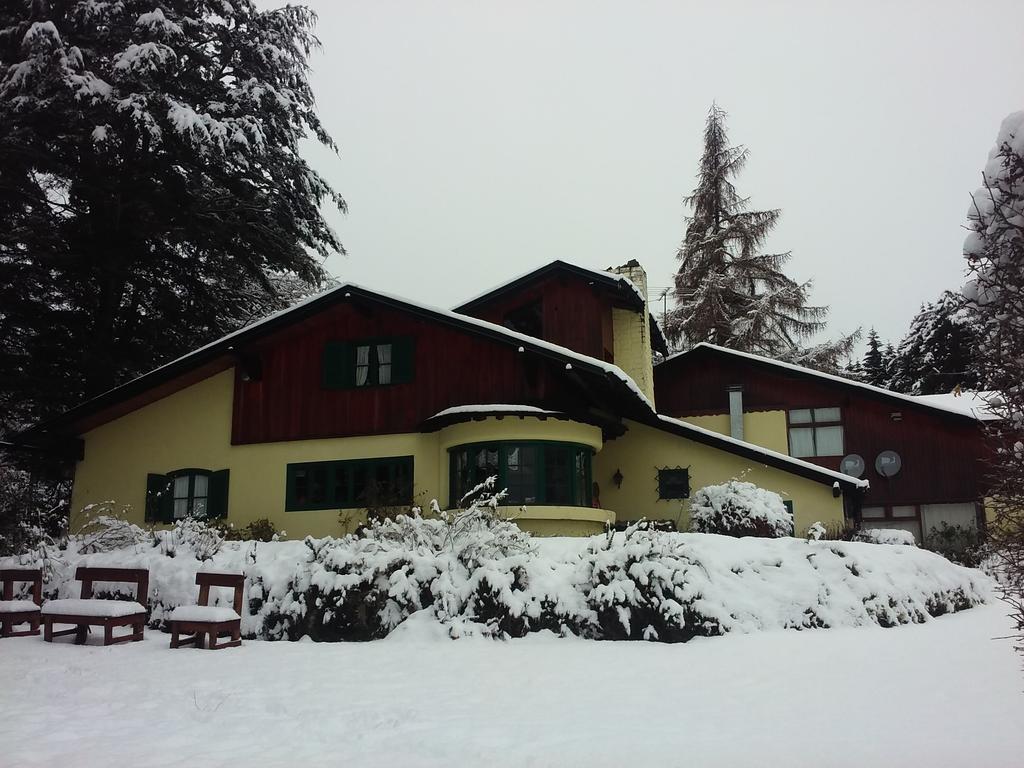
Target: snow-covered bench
column 89, row 612
column 14, row 612
column 211, row 620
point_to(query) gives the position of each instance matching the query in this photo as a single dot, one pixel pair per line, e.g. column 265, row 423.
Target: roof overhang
column 756, row 453
column 230, row 349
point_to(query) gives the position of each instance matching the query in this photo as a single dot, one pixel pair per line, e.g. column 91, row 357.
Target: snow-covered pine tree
column 726, row 291
column 872, row 367
column 888, row 365
column 939, row 352
column 150, row 177
column 995, row 255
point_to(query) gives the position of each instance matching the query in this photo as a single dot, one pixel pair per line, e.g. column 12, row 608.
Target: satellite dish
column 888, row 463
column 852, row 465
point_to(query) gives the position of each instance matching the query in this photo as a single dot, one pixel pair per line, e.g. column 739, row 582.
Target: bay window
column 533, row 472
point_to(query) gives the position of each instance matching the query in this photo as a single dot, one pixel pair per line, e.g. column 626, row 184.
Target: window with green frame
column 533, row 471
column 376, row 362
column 349, row 484
column 186, row 493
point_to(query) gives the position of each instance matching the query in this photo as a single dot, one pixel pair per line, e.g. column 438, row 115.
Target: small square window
column 811, row 441
column 674, row 483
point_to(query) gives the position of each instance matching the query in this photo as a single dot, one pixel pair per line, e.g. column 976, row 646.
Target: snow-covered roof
column 974, row 404
column 595, row 274
column 771, row 457
column 347, row 290
column 938, row 404
column 496, row 408
column 523, row 341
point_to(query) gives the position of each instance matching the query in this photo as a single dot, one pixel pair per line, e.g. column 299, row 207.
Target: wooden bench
column 89, row 612
column 210, row 620
column 14, row 612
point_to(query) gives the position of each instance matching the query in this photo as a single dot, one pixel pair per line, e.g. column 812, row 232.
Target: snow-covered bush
column 885, row 536
column 817, row 531
column 640, row 584
column 964, row 546
column 738, row 508
column 104, row 527
column 195, row 535
column 639, row 588
column 257, row 530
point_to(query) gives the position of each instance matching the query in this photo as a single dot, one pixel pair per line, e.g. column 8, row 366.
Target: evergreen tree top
column 728, row 291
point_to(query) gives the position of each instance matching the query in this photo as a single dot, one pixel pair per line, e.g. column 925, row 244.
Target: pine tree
column 995, row 255
column 726, row 291
column 152, row 192
column 888, row 366
column 873, row 365
column 939, row 352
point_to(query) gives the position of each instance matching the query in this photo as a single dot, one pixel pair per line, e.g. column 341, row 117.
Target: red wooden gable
column 575, row 313
column 452, row 367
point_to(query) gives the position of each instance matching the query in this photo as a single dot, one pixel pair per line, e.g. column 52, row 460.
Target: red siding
column 942, row 456
column 452, row 367
column 575, row 314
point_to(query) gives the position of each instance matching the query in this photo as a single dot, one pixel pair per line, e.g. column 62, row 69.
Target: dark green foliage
column 152, row 192
column 258, row 530
column 938, row 354
column 872, row 368
column 958, row 544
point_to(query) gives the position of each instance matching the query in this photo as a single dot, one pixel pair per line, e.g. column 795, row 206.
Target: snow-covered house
column 924, row 456
column 356, row 399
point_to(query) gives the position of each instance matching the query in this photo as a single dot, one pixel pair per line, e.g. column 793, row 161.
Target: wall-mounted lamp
column 617, row 478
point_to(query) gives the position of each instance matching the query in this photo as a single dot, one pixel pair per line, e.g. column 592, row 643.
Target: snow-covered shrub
column 362, row 586
column 195, row 535
column 33, row 510
column 640, row 584
column 257, row 530
column 738, row 508
column 885, row 536
column 817, row 531
column 965, row 546
column 638, row 588
column 104, row 527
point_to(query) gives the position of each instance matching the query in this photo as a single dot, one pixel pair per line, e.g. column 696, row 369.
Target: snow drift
column 639, row 584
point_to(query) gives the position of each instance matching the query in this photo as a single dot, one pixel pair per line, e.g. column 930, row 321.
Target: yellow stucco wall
column 764, row 428
column 643, row 450
column 631, row 341
column 192, row 428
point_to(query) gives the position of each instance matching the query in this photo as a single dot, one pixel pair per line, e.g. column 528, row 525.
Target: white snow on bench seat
column 98, row 608
column 15, row 606
column 203, row 613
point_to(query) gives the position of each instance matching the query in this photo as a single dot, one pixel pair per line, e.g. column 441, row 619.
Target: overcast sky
column 480, row 140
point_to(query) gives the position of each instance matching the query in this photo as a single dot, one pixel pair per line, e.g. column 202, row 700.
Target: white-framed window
column 815, row 432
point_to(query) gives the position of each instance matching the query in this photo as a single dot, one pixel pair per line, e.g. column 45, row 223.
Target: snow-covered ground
column 942, row 693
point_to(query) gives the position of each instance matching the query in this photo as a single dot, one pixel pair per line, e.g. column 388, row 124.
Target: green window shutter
column 159, row 501
column 403, row 355
column 217, row 490
column 339, row 365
